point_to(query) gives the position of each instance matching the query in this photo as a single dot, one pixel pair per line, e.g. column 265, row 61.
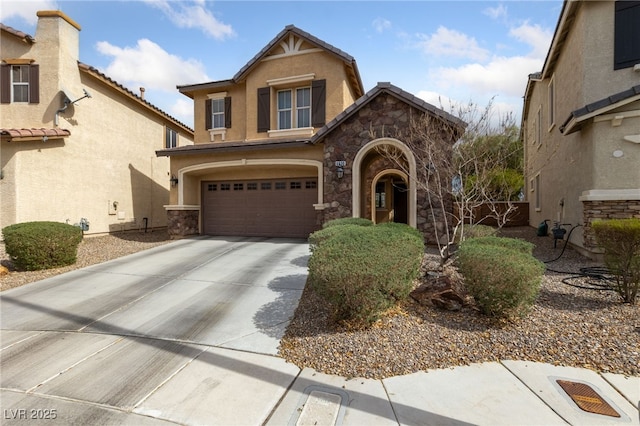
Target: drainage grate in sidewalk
column 587, row 399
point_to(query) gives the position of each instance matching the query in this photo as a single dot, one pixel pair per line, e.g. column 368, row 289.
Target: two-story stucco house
column 581, row 120
column 292, row 141
column 74, row 143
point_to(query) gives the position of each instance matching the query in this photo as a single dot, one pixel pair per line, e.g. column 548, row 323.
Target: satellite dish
column 71, row 98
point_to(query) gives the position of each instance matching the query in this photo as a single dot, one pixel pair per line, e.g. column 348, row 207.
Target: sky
column 444, row 52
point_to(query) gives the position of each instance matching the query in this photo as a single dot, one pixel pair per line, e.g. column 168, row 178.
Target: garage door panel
column 270, row 208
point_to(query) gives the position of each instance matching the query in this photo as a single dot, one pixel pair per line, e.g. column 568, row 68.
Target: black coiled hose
column 592, row 278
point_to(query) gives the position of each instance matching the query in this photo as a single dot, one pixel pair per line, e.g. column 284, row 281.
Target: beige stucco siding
column 108, row 157
column 229, row 166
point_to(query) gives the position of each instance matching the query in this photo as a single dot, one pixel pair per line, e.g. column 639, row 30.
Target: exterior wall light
column 340, row 168
column 173, row 180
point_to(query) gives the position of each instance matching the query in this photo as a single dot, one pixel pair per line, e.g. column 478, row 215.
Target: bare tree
column 457, row 166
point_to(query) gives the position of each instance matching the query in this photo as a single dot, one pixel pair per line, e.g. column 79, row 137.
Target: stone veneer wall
column 610, row 209
column 181, row 223
column 384, row 116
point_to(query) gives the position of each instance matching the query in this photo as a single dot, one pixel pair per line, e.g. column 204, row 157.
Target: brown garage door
column 263, row 208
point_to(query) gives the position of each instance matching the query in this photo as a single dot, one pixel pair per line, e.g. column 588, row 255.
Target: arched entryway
column 381, row 191
column 390, row 198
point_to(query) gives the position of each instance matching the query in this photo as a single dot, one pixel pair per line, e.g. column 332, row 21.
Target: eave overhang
column 579, row 117
column 235, row 146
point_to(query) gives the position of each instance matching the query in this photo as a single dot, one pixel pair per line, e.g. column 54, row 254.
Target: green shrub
column 504, row 281
column 620, row 239
column 335, row 226
column 360, row 221
column 363, row 270
column 475, row 231
column 42, row 245
column 513, row 244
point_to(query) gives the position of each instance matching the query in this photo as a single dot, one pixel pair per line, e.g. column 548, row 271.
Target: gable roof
column 385, row 88
column 579, row 117
column 348, row 60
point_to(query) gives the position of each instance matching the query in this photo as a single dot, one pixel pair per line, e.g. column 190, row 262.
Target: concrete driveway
column 158, row 335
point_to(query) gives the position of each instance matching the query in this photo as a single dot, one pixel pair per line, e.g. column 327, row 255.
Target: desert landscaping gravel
column 568, row 325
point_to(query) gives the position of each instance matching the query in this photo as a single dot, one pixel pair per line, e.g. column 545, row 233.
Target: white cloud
column 446, row 42
column 182, row 109
column 381, row 25
column 496, row 12
column 535, row 36
column 148, row 65
column 25, row 10
column 193, row 14
column 501, row 75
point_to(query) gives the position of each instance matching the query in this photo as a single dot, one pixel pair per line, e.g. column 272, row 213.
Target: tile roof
column 385, row 87
column 34, row 133
column 24, row 36
column 577, row 117
column 348, row 59
column 96, row 73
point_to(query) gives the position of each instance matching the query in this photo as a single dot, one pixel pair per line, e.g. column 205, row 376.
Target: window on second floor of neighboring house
column 170, row 138
column 627, row 34
column 19, row 83
column 218, row 113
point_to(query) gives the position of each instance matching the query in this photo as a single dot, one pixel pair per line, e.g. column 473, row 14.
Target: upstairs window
column 218, row 112
column 295, row 108
column 627, row 34
column 284, row 109
column 552, row 103
column 19, row 83
column 171, row 138
column 302, row 107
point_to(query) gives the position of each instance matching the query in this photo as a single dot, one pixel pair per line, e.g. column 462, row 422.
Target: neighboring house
column 74, row 143
column 581, row 120
column 292, row 141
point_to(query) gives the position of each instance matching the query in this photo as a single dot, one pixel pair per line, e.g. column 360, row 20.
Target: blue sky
column 438, row 50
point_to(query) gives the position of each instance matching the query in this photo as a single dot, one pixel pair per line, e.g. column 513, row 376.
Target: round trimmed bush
column 42, row 245
column 360, row 221
column 503, row 280
column 363, row 270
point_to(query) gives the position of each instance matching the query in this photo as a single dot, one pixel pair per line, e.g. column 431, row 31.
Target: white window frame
column 552, row 102
column 294, row 106
column 286, row 111
column 170, row 138
column 24, row 72
column 538, row 127
column 536, row 189
column 217, row 113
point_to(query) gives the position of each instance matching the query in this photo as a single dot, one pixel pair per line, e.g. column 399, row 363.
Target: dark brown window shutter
column 208, row 114
column 318, row 99
column 5, row 84
column 627, row 34
column 34, row 84
column 264, row 109
column 227, row 112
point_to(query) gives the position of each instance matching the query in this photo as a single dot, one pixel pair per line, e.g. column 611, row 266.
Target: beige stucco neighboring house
column 581, row 120
column 291, row 141
column 76, row 144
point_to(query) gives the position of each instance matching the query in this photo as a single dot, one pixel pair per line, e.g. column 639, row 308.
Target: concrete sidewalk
column 187, row 333
column 217, row 386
